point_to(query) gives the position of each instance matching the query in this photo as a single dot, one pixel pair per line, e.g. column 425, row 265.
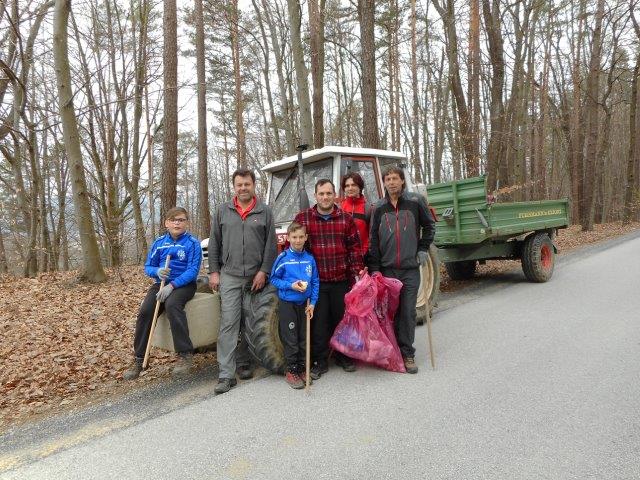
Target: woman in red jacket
column 356, row 205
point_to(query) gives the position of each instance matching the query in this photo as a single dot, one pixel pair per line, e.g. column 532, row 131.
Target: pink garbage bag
column 363, row 332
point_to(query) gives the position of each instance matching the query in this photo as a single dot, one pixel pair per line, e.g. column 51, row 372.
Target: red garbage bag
column 387, row 303
column 362, row 333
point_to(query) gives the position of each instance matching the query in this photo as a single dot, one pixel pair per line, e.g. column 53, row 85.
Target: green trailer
column 473, row 228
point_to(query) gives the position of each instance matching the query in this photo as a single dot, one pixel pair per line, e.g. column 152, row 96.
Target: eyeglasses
column 178, row 220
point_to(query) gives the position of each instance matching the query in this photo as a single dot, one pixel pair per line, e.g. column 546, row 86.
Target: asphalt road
column 533, row 381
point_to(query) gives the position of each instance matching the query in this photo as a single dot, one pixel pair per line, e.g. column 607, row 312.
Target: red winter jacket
column 360, row 210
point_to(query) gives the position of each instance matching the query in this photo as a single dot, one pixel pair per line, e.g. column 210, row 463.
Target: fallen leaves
column 63, row 341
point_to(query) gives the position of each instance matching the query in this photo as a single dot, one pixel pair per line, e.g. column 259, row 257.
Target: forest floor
column 65, row 345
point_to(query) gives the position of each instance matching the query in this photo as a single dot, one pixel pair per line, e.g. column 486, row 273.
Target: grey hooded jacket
column 242, row 247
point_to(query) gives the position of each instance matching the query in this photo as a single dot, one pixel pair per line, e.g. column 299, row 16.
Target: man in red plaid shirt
column 335, row 244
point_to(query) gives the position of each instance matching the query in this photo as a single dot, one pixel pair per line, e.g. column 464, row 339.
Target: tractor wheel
column 430, row 272
column 461, row 270
column 260, row 311
column 538, row 257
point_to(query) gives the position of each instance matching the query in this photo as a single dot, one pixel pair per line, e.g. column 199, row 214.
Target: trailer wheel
column 538, row 258
column 431, row 271
column 461, row 270
column 260, row 311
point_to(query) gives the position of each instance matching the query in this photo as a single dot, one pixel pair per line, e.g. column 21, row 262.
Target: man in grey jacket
column 242, row 248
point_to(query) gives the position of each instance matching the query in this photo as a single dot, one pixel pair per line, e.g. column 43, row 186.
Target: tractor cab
column 327, row 162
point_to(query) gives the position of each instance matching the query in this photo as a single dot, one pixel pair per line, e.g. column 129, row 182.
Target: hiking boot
column 317, row 369
column 303, row 376
column 134, row 370
column 245, row 372
column 410, row 365
column 224, row 385
column 294, row 380
column 346, row 363
column 184, row 365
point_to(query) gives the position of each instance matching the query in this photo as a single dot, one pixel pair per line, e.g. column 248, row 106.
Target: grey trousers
column 405, row 319
column 230, row 353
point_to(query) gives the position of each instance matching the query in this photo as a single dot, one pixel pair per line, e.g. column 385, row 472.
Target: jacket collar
column 258, row 208
column 334, row 213
column 180, row 238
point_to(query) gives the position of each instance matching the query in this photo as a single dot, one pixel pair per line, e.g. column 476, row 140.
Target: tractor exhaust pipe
column 302, row 191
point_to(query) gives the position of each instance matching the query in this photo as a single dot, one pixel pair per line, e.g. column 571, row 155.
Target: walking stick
column 426, row 306
column 153, row 322
column 307, row 378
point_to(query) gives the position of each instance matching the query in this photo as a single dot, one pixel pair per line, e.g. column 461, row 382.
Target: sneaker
column 294, row 380
column 224, row 385
column 317, row 369
column 245, row 372
column 134, row 370
column 346, row 363
column 184, row 365
column 410, row 365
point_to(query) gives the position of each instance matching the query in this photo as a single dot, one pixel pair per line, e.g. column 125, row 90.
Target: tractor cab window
column 284, row 200
column 365, row 166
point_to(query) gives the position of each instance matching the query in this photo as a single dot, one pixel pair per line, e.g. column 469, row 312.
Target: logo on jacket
column 181, row 254
column 307, row 269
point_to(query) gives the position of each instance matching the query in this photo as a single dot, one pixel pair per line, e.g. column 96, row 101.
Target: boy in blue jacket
column 180, row 287
column 295, row 275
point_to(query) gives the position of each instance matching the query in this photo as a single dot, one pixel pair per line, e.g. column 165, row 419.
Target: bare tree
column 92, row 270
column 295, row 20
column 204, row 221
column 170, row 121
column 366, row 16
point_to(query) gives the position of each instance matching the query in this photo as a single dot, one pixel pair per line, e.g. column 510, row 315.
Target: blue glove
column 164, row 293
column 422, row 258
column 163, row 273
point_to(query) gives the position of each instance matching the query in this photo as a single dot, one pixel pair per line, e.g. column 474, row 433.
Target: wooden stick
column 307, row 378
column 153, row 322
column 428, row 312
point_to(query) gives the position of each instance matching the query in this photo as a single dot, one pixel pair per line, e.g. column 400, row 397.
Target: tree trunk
column 464, row 120
column 495, row 149
column 284, row 99
column 316, row 42
column 592, row 111
column 631, row 194
column 241, row 142
column 295, row 20
column 170, row 122
column 204, row 222
column 366, row 17
column 92, row 270
column 3, row 255
column 415, row 131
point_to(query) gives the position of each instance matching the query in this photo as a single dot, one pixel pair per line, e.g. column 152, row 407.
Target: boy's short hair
column 294, row 227
column 174, row 212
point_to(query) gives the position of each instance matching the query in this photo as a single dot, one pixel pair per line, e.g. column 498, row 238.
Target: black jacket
column 397, row 234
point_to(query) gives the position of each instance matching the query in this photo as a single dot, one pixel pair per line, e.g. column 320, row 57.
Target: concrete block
column 203, row 318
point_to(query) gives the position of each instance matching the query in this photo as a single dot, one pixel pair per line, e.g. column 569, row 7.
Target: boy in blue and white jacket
column 295, row 275
column 180, row 287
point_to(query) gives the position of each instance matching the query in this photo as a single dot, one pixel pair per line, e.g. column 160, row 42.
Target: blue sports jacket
column 291, row 266
column 186, row 257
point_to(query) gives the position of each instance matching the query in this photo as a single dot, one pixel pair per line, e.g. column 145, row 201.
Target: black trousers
column 293, row 334
column 405, row 319
column 326, row 316
column 174, row 305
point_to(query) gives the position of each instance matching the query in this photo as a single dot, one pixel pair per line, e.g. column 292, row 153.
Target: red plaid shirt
column 334, row 243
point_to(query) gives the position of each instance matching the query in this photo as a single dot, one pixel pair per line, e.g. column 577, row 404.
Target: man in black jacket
column 402, row 228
